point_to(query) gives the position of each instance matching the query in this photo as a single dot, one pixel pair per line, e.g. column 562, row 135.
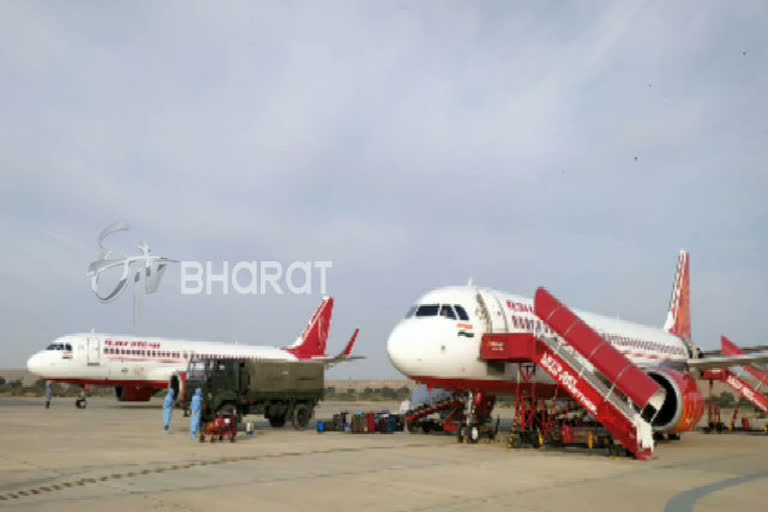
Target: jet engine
column 134, row 393
column 683, row 406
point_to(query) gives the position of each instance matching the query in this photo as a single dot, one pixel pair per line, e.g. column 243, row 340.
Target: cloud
column 414, row 145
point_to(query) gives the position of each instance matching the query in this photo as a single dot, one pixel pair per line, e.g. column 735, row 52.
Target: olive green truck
column 280, row 390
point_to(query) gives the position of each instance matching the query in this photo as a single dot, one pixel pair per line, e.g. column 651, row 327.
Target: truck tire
column 277, row 421
column 300, row 416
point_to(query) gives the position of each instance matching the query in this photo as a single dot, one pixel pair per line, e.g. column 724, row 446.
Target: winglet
column 346, row 354
column 348, row 349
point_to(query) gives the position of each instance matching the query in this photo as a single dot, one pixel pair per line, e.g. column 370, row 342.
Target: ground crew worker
column 167, row 410
column 405, row 406
column 194, row 420
column 48, row 394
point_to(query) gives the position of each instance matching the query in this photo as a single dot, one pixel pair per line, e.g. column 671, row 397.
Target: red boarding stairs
column 749, row 393
column 414, row 415
column 581, row 362
column 743, row 388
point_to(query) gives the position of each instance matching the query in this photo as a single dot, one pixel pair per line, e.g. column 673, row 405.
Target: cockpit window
column 59, row 346
column 447, row 311
column 461, row 312
column 411, row 311
column 427, row 310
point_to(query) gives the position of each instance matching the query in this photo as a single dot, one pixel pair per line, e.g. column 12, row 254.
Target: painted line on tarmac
column 60, row 486
column 685, row 501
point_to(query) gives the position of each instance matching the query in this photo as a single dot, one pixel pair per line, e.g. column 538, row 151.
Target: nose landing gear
column 478, row 419
column 82, row 401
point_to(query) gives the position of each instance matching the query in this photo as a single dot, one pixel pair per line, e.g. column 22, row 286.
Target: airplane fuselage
column 114, row 360
column 438, row 343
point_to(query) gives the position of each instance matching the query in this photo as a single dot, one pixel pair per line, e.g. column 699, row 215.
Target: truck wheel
column 277, row 422
column 300, row 416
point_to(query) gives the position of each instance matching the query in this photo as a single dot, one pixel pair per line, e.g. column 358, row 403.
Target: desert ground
column 114, row 456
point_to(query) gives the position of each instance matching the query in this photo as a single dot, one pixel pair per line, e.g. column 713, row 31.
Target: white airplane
column 138, row 366
column 438, row 344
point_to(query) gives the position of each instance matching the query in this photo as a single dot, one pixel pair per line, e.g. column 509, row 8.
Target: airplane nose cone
column 34, row 364
column 401, row 348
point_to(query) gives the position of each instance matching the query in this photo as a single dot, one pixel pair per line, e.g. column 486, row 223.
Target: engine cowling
column 683, row 405
column 134, row 393
column 178, row 383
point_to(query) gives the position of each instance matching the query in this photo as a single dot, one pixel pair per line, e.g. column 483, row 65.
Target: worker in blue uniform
column 48, row 394
column 196, row 407
column 167, row 410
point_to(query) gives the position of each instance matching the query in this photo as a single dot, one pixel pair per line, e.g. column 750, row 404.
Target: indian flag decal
column 465, row 330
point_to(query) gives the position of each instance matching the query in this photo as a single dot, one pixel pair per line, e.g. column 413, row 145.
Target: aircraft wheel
column 474, row 434
column 461, row 433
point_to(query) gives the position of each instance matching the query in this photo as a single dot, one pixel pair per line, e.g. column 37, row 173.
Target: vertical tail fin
column 313, row 340
column 679, row 315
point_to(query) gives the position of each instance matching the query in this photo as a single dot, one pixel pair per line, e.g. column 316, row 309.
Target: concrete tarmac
column 115, row 457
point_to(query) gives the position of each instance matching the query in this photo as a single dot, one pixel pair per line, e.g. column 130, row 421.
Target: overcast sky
column 414, row 144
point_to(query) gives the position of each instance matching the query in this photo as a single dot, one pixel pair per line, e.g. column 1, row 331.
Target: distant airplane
column 438, row 343
column 138, row 366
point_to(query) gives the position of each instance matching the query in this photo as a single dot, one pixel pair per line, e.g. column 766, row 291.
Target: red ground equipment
column 222, row 425
column 607, row 404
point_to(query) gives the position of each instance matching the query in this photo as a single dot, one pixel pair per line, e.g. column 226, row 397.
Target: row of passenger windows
column 445, row 310
column 145, row 353
column 529, row 324
column 173, row 355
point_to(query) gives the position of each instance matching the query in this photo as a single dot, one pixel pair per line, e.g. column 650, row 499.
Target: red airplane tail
column 679, row 315
column 312, row 342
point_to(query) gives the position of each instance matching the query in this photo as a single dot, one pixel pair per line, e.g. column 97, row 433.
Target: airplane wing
column 754, row 360
column 346, row 354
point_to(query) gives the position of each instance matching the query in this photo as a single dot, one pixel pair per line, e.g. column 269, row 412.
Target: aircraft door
column 492, row 311
column 93, row 350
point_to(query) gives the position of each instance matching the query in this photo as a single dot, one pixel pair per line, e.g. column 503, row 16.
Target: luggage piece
column 358, row 423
